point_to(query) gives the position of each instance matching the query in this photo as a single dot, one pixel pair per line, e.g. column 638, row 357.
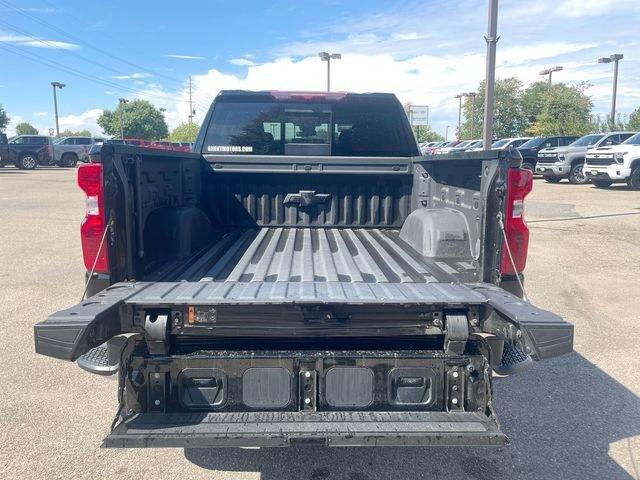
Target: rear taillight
column 93, row 226
column 519, row 184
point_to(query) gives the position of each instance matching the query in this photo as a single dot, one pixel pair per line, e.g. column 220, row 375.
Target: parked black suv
column 529, row 149
column 26, row 151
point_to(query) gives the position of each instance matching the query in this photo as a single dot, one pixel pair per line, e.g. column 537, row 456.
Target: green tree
column 566, row 110
column 69, row 133
column 4, row 119
column 533, row 98
column 140, row 119
column 185, row 132
column 634, row 120
column 427, row 134
column 509, row 118
column 25, row 128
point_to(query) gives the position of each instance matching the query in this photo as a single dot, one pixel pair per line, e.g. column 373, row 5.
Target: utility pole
column 55, row 103
column 122, row 101
column 490, row 78
column 326, row 57
column 615, row 58
column 191, row 112
column 549, row 71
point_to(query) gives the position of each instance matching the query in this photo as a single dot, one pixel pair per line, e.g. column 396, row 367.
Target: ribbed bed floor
column 317, row 255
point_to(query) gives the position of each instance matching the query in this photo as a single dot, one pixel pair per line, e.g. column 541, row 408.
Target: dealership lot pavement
column 575, row 417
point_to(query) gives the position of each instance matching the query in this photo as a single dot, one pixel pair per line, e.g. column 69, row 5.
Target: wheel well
column 577, row 160
column 635, row 163
column 22, row 154
column 66, row 154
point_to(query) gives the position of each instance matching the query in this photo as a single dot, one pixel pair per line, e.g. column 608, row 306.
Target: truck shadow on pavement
column 561, row 416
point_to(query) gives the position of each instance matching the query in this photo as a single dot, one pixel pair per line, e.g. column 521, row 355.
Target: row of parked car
column 600, row 158
column 28, row 151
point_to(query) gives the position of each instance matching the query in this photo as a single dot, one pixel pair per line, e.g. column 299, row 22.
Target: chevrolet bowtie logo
column 304, row 198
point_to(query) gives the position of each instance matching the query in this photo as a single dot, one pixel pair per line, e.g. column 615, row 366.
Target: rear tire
column 68, row 160
column 27, row 161
column 634, row 179
column 577, row 176
column 602, row 183
column 553, row 179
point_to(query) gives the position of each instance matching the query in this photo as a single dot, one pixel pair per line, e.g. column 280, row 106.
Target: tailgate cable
column 95, row 262
column 513, row 263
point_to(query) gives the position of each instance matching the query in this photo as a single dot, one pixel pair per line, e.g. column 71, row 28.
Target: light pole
column 326, row 57
column 122, row 101
column 459, row 97
column 615, row 58
column 549, row 71
column 55, row 103
column 490, row 78
column 446, row 133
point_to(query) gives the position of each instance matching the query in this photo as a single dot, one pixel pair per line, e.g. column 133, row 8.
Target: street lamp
column 549, row 71
column 122, row 101
column 615, row 58
column 326, row 57
column 459, row 97
column 55, row 103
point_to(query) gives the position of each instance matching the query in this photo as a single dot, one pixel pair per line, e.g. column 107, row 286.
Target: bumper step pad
column 265, row 429
column 514, row 360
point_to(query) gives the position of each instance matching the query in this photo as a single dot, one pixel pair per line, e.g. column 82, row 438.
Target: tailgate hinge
column 456, row 334
column 156, row 332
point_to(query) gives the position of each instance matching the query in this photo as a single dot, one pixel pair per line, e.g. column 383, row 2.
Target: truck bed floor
column 314, row 264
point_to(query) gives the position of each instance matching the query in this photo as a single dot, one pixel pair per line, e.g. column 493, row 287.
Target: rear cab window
column 351, row 125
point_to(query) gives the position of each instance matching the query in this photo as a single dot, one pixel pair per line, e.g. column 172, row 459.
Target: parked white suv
column 615, row 164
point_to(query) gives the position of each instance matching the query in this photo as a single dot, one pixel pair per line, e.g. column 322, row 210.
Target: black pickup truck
column 26, row 151
column 305, row 277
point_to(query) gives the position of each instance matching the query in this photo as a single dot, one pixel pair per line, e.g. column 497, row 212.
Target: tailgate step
column 103, row 359
column 514, row 360
column 264, row 429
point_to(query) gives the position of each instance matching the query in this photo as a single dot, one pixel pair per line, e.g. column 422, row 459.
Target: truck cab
column 606, row 165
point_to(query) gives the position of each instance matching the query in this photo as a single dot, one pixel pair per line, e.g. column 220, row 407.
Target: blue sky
column 424, row 51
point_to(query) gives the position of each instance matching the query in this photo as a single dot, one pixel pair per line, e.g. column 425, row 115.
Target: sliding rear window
column 358, row 129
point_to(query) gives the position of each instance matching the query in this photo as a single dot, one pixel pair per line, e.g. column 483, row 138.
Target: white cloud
column 133, row 76
column 242, row 62
column 40, row 114
column 593, row 8
column 184, row 57
column 23, row 40
column 84, row 121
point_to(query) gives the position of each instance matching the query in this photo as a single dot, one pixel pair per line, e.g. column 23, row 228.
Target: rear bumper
column 277, row 429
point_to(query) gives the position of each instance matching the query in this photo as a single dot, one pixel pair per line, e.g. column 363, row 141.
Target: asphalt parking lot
column 575, row 417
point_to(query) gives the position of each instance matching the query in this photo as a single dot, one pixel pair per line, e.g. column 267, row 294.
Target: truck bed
column 313, row 264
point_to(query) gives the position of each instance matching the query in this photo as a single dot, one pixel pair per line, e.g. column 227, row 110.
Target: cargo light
column 308, row 96
column 94, row 249
column 519, row 185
